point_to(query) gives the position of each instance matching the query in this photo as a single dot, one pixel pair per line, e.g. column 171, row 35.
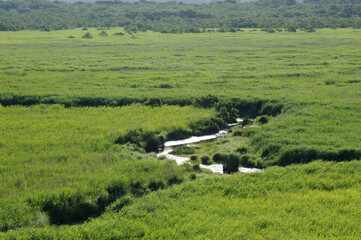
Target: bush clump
column 149, row 141
column 178, row 133
column 87, row 35
column 263, row 119
column 217, row 157
column 245, row 161
column 156, row 185
column 153, row 101
column 205, row 101
column 291, row 29
column 103, row 34
column 196, row 168
column 175, row 180
column 208, row 126
column 305, row 155
column 270, row 150
column 69, row 207
column 231, row 164
column 205, row 159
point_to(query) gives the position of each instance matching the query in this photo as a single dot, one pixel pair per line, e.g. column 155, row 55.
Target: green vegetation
column 315, row 201
column 177, row 17
column 248, row 69
column 74, row 161
column 63, row 161
column 245, row 73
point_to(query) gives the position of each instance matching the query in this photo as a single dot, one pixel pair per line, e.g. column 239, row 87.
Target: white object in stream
column 217, row 168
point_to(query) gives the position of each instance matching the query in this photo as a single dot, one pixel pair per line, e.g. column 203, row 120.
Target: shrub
column 116, row 189
column 231, row 164
column 297, row 155
column 71, row 37
column 270, row 150
column 220, row 158
column 134, row 136
column 87, row 36
column 208, row 126
column 291, row 29
column 205, row 101
column 103, row 34
column 155, row 185
column 205, row 159
column 65, row 208
column 303, row 155
column 196, row 168
column 174, row 180
column 217, row 157
column 149, row 141
column 271, row 109
column 245, row 161
column 194, row 157
column 227, row 114
column 152, row 144
column 192, row 177
column 153, row 101
column 263, row 119
column 119, row 34
column 178, row 133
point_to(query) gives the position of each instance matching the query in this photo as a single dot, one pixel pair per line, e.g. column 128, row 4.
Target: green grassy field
column 315, row 201
column 61, row 158
column 293, row 67
column 48, row 152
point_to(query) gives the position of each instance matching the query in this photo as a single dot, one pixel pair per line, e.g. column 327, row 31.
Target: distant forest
column 179, row 17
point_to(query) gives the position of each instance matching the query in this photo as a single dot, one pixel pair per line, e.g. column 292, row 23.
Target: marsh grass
column 63, row 161
column 55, row 158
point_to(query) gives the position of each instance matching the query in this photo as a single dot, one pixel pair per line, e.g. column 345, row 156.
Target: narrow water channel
column 217, row 168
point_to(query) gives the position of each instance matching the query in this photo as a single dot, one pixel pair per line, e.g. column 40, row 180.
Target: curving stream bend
column 217, row 168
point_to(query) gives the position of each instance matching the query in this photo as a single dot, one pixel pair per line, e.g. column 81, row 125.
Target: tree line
column 178, row 17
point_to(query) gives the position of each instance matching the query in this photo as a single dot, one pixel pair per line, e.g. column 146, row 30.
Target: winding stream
column 217, row 168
